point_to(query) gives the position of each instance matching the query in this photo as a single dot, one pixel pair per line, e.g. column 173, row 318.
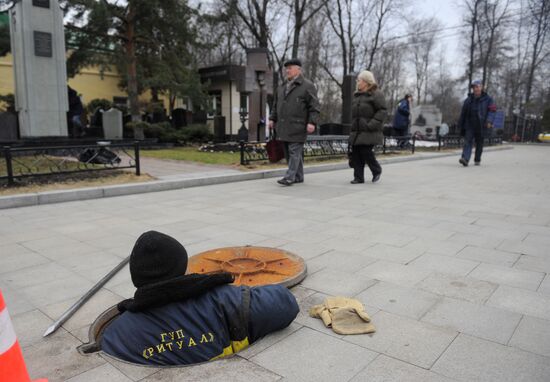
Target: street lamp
column 243, row 131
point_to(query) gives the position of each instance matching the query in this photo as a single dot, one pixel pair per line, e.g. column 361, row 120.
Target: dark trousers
column 469, row 139
column 400, row 133
column 361, row 155
column 294, row 155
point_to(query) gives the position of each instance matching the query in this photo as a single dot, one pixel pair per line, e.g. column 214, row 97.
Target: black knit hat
column 156, row 257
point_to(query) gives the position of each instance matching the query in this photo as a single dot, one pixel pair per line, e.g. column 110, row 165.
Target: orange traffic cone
column 12, row 365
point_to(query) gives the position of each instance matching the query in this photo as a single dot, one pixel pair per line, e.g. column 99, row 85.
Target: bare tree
column 421, row 43
column 540, row 19
column 492, row 19
column 472, row 19
column 254, row 15
column 303, row 12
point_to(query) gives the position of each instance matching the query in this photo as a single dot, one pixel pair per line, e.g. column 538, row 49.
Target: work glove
column 344, row 315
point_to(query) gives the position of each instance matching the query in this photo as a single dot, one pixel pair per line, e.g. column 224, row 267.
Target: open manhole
column 252, row 266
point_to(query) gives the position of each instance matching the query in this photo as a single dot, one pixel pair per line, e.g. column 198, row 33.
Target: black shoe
column 357, row 181
column 477, row 163
column 298, row 181
column 376, row 178
column 463, row 162
column 284, row 182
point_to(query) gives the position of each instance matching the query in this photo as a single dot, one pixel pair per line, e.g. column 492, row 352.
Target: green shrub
column 7, row 102
column 197, row 133
column 102, row 103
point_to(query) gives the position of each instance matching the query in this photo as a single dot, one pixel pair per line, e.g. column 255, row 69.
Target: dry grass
column 93, row 179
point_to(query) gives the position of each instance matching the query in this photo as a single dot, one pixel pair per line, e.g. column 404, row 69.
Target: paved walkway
column 451, row 262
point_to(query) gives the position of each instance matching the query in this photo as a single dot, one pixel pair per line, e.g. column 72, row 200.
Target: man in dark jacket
column 178, row 319
column 476, row 120
column 402, row 119
column 294, row 114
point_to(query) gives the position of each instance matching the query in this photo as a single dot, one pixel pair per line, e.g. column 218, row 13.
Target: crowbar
column 65, row 316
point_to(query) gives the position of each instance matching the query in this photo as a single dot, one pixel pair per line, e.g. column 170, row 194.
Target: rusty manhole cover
column 251, row 265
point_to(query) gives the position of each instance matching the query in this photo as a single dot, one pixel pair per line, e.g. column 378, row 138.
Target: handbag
column 275, row 148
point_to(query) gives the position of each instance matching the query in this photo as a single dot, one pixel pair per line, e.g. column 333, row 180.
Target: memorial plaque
column 42, row 44
column 41, row 3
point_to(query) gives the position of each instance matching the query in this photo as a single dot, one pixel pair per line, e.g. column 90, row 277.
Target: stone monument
column 38, row 47
column 112, row 124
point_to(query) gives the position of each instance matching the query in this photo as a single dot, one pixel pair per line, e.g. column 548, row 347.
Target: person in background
column 74, row 115
column 476, row 120
column 402, row 119
column 368, row 110
column 179, row 319
column 294, row 115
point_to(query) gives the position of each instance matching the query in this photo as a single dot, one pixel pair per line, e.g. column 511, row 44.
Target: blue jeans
column 294, row 154
column 469, row 139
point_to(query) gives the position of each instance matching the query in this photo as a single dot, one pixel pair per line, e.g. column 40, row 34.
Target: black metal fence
column 337, row 146
column 26, row 162
column 323, row 146
column 457, row 141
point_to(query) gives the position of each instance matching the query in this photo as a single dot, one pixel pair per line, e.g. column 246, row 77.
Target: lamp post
column 243, row 131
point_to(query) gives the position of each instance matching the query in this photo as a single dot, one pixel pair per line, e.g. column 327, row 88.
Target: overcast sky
column 450, row 14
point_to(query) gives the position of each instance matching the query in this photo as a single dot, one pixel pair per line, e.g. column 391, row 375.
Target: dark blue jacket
column 486, row 113
column 401, row 118
column 216, row 324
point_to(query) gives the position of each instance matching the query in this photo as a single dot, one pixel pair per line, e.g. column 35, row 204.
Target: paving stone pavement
column 452, row 264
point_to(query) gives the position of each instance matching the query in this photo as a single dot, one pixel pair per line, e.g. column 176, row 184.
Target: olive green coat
column 368, row 111
column 294, row 111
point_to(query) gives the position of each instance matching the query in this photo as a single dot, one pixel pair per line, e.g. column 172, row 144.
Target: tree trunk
column 132, row 65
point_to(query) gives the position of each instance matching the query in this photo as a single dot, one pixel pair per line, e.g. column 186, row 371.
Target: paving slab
column 532, row 334
column 545, row 286
column 491, row 256
column 463, row 288
column 400, row 300
column 522, row 301
column 444, row 264
column 386, row 369
column 395, row 273
column 480, row 321
column 105, row 372
column 508, row 276
column 337, row 283
column 307, row 355
column 57, row 359
column 406, row 339
column 472, row 359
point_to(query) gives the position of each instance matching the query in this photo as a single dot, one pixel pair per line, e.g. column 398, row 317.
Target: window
column 215, row 104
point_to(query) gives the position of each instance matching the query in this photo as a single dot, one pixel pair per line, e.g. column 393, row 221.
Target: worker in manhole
column 178, row 319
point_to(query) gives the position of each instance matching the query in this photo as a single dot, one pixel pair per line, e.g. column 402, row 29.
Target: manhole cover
column 251, row 265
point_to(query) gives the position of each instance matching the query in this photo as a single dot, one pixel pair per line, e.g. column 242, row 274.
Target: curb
column 49, row 197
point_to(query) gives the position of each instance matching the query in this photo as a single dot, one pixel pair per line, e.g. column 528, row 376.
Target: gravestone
column 112, row 124
column 425, row 119
column 178, row 118
column 38, row 47
column 8, row 126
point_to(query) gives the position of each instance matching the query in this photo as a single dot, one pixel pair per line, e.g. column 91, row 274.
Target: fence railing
column 323, row 146
column 457, row 141
column 25, row 162
column 337, row 146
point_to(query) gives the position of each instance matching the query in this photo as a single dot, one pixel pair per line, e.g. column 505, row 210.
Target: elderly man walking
column 294, row 114
column 476, row 120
